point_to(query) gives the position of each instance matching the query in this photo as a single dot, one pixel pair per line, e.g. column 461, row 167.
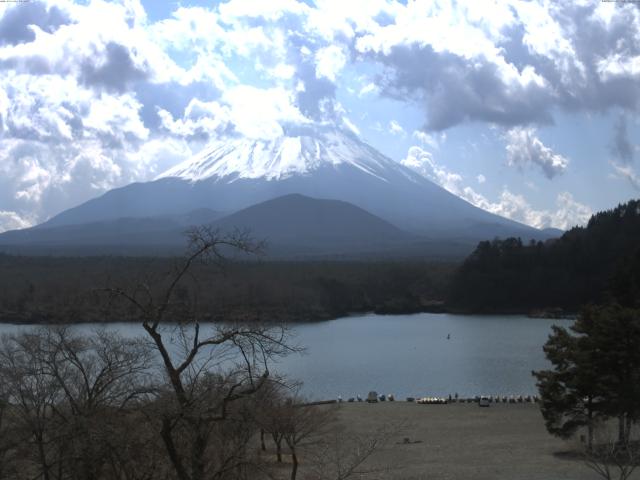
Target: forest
column 593, row 264
column 68, row 289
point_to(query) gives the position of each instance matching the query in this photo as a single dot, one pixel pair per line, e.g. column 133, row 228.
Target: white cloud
column 200, row 119
column 33, row 181
column 260, row 113
column 618, row 65
column 189, row 28
column 626, row 172
column 330, row 61
column 396, row 129
column 116, row 116
column 332, row 19
column 447, row 30
column 283, row 71
column 568, row 213
column 100, row 35
column 12, row 221
column 436, row 24
column 516, row 66
column 63, row 143
column 94, row 166
column 271, row 10
column 546, row 36
column 524, row 148
column 511, row 206
column 367, row 89
column 429, row 139
column 422, row 162
column 481, row 178
column 160, row 154
column 42, row 107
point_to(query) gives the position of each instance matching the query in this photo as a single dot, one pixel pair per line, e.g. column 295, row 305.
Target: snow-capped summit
column 318, row 161
column 299, row 151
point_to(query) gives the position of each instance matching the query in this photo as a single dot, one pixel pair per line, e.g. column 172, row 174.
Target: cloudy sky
column 528, row 109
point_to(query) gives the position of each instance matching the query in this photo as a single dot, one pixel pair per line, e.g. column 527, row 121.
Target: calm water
column 411, row 355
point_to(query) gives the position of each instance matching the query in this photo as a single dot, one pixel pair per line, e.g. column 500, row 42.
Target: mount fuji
column 321, row 162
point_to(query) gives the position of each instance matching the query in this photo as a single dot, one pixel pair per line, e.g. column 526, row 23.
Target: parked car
column 372, row 397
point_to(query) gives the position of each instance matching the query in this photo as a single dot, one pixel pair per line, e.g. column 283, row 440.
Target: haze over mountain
column 292, row 225
column 311, row 160
column 124, row 232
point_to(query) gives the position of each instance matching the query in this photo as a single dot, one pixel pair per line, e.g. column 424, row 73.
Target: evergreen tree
column 564, row 273
column 596, row 372
column 613, row 334
column 570, row 393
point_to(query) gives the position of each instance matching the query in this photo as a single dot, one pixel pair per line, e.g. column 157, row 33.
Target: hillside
column 293, row 226
column 121, row 233
column 587, row 264
column 318, row 161
column 298, row 223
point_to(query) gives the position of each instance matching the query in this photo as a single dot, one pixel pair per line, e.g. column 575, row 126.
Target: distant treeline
column 592, row 264
column 72, row 289
column 598, row 263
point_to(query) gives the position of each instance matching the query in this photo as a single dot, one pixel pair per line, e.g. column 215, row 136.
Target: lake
column 410, row 355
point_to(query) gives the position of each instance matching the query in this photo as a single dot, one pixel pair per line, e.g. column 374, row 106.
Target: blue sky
column 528, row 109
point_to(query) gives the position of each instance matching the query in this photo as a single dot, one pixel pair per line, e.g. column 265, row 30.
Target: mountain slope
column 297, row 220
column 292, row 225
column 319, row 162
column 163, row 230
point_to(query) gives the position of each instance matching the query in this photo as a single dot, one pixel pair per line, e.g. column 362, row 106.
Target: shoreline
column 13, row 318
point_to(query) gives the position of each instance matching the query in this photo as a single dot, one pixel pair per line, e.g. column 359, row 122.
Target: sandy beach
column 465, row 441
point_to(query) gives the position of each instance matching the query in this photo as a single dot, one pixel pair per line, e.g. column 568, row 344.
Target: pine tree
column 570, row 393
column 596, row 372
column 613, row 334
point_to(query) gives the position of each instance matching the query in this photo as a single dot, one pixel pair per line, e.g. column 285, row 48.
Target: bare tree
column 66, row 394
column 32, row 398
column 99, row 376
column 207, row 369
column 269, row 413
column 7, row 437
column 612, row 459
column 302, row 426
column 342, row 456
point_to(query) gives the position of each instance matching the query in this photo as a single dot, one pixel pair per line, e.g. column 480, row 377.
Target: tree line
column 63, row 289
column 592, row 264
